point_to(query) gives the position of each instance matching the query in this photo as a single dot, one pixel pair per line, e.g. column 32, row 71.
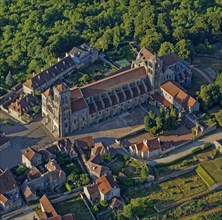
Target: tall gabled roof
column 7, row 181
column 117, row 80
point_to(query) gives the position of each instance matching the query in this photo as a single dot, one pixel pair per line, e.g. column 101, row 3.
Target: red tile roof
column 106, row 183
column 145, row 54
column 47, row 206
column 169, row 59
column 85, row 142
column 156, row 96
column 79, row 104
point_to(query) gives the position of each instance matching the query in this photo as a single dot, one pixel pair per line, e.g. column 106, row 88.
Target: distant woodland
column 34, row 32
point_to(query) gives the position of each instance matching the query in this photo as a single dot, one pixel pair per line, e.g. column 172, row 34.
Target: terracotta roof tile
column 75, row 93
column 135, row 92
column 106, row 103
column 145, row 54
column 121, row 97
column 106, row 183
column 99, row 105
column 47, row 206
column 156, row 96
column 29, row 153
column 128, row 94
column 92, row 108
column 3, row 199
column 169, row 59
column 113, row 100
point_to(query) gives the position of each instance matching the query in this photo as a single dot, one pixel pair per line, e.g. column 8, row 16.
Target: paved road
column 180, row 152
column 22, row 136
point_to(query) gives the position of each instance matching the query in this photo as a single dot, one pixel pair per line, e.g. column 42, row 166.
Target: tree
column 106, row 157
column 159, row 123
column 153, row 130
column 104, row 203
column 21, row 170
column 84, row 179
column 36, row 109
column 73, row 177
column 68, row 187
column 116, row 36
column 147, row 123
column 218, row 117
column 84, row 79
column 162, row 112
column 95, row 209
column 165, row 48
column 9, row 80
column 184, row 49
column 127, row 211
column 144, row 172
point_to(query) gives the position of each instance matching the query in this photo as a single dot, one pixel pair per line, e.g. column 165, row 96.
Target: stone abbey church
column 65, row 110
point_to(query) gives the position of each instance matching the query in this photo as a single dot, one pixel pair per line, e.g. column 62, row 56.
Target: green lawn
column 205, row 176
column 218, row 162
column 208, row 166
column 75, row 206
column 197, row 81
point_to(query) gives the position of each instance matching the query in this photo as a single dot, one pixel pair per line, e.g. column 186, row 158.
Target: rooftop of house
column 92, row 189
column 96, row 168
column 3, row 139
column 148, row 145
column 106, row 183
column 7, row 181
column 85, row 142
column 156, row 96
column 52, row 165
column 24, row 104
column 46, row 75
column 57, row 174
column 3, row 199
column 116, row 202
column 29, row 153
column 47, row 207
column 98, row 149
column 95, row 159
column 169, row 59
column 34, row 173
column 26, row 190
column 180, row 96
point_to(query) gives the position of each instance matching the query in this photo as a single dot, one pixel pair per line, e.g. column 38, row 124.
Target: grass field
column 205, row 176
column 209, row 166
column 75, row 206
column 218, row 162
column 197, row 81
column 206, row 62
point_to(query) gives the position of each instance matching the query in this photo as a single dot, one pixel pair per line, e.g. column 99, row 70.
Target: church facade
column 65, row 110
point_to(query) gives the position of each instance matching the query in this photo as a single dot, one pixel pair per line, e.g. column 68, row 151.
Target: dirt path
column 203, row 74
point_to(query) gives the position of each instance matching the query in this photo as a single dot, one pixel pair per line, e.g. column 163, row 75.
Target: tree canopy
column 34, row 33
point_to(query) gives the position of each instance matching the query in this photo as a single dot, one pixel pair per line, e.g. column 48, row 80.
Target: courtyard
column 107, row 131
column 22, row 136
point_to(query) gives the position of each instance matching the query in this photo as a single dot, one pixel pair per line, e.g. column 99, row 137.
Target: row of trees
column 211, row 95
column 167, row 120
column 34, row 33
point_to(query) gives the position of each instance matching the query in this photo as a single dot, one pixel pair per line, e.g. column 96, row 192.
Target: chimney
column 33, row 73
column 59, row 59
column 145, row 142
column 67, row 54
column 158, row 139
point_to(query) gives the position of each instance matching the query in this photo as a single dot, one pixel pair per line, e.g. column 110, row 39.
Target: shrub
column 95, row 209
column 21, row 170
column 68, row 187
column 207, row 145
column 104, row 203
column 196, row 150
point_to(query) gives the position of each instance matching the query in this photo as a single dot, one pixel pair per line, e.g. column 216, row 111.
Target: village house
column 4, row 142
column 31, row 158
column 22, row 107
column 83, row 55
column 9, row 192
column 151, row 148
column 92, row 193
column 108, row 187
column 116, row 203
column 43, row 178
column 176, row 95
